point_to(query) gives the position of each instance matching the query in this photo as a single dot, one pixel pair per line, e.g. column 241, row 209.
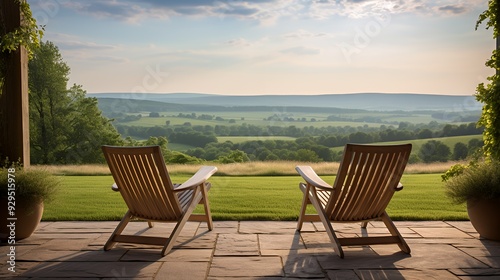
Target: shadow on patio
column 254, row 250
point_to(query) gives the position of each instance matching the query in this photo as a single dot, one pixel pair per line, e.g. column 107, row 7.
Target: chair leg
column 331, row 233
column 197, row 196
column 151, row 224
column 364, row 224
column 328, row 226
column 305, row 202
column 118, row 230
column 394, row 232
column 206, row 205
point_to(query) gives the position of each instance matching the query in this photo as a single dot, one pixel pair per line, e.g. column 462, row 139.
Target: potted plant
column 22, row 198
column 478, row 185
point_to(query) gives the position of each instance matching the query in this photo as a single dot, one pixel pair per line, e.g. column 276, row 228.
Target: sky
column 260, row 47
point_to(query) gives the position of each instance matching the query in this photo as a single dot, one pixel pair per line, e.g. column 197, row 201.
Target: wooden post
column 14, row 108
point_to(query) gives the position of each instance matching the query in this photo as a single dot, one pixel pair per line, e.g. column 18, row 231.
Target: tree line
column 201, row 135
column 67, row 127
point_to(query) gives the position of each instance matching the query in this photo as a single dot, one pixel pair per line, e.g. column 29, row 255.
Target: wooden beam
column 14, row 107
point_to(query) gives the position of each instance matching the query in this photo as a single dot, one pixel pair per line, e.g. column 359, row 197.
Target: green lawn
column 248, row 198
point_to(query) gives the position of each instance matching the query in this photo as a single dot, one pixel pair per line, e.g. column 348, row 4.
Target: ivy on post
column 489, row 94
column 19, row 34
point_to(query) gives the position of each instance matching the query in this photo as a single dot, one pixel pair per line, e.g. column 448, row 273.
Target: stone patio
column 253, row 250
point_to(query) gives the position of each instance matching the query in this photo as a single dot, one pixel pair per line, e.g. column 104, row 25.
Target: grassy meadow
column 272, row 194
column 259, row 118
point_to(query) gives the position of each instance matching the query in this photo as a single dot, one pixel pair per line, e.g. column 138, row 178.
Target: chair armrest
column 115, row 188
column 399, row 187
column 198, row 178
column 312, row 178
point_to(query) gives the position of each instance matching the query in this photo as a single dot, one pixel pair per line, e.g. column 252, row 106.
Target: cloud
column 454, row 9
column 301, row 51
column 104, row 58
column 78, row 45
column 240, row 42
column 266, row 11
column 304, row 34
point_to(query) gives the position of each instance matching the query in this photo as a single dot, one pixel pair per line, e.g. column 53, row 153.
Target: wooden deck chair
column 142, row 179
column 367, row 178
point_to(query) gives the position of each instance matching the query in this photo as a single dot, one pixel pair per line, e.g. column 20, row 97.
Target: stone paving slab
column 246, row 266
column 253, row 250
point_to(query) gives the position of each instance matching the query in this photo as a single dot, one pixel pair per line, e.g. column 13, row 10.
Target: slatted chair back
column 367, row 178
column 142, row 178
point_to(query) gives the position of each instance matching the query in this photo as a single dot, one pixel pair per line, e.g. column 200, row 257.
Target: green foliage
column 434, row 151
column 234, row 156
column 454, row 171
column 489, row 94
column 48, row 102
column 168, row 155
column 27, row 35
column 480, row 181
column 181, row 158
column 65, row 125
column 460, row 151
column 30, row 185
column 88, row 129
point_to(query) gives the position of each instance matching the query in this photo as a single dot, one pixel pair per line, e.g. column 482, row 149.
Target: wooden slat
column 366, row 180
column 143, row 183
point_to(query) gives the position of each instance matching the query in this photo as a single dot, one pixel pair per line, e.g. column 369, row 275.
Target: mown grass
column 248, row 198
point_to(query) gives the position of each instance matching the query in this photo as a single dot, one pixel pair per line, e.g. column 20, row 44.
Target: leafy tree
column 181, row 158
column 474, row 146
column 460, row 151
column 66, row 126
column 425, row 133
column 49, row 103
column 433, row 151
column 307, row 155
column 234, row 156
column 88, row 129
column 489, row 94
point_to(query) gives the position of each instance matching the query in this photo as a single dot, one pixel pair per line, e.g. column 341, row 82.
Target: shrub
column 30, row 185
column 481, row 181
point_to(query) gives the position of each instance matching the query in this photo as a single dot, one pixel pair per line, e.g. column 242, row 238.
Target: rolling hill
column 363, row 101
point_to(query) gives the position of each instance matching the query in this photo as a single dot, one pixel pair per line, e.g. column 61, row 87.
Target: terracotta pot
column 28, row 215
column 484, row 215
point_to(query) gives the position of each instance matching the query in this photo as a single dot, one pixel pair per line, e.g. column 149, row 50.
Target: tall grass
column 254, row 168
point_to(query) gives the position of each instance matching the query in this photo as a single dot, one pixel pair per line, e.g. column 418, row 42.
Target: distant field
column 149, row 122
column 241, row 139
column 259, row 118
